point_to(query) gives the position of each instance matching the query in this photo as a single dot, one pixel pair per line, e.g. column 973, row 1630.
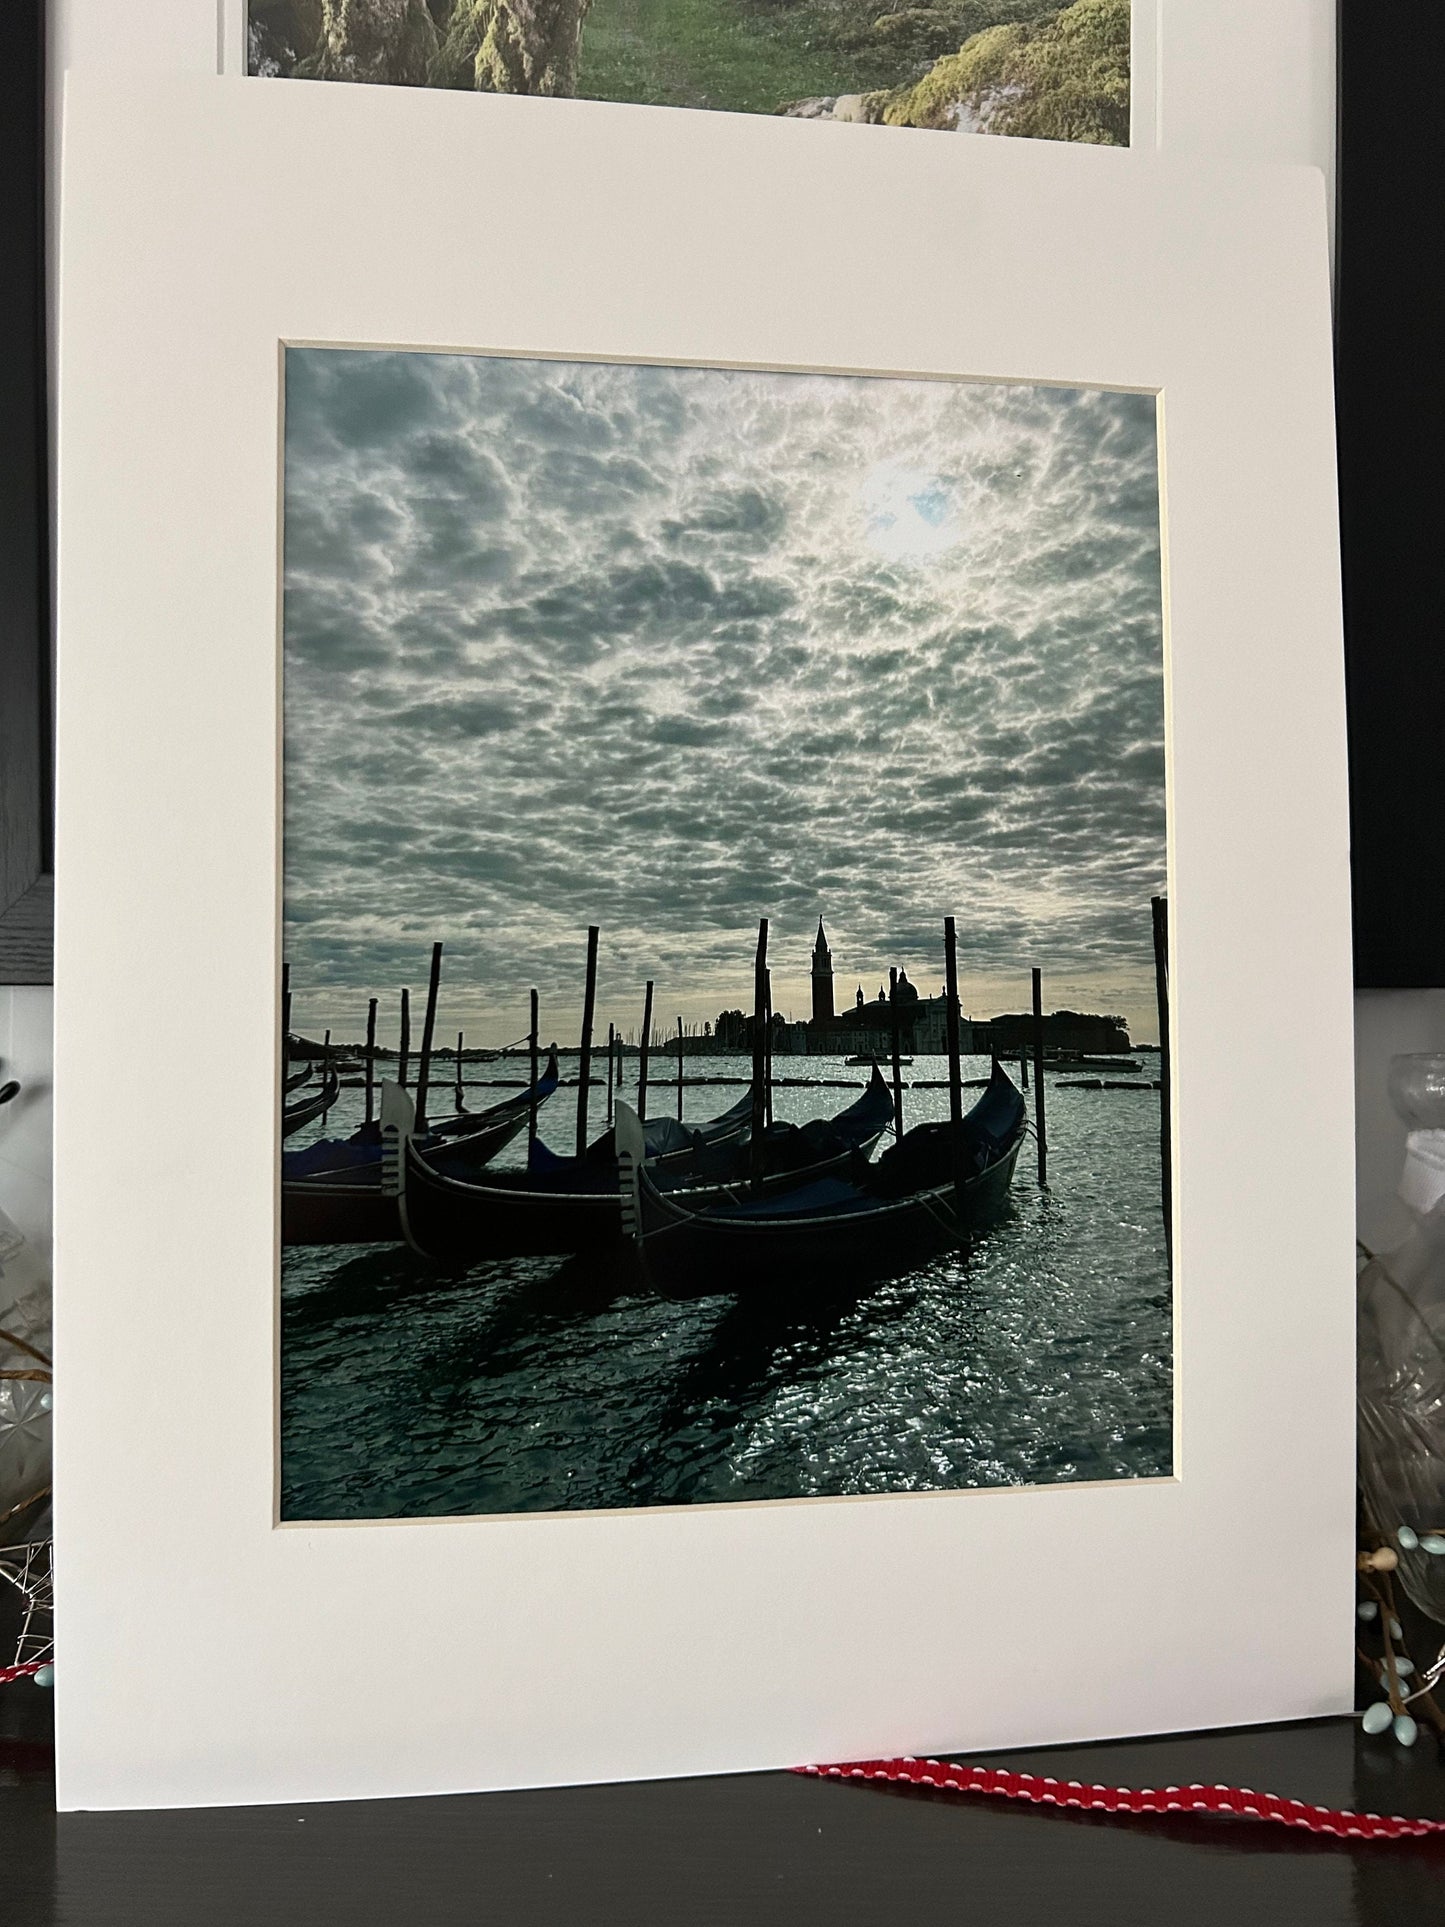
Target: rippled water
column 542, row 1384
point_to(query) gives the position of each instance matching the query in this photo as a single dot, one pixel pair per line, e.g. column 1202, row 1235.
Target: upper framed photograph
column 1022, row 67
column 1232, row 81
column 717, row 849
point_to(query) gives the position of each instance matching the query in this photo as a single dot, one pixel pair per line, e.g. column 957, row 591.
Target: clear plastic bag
column 25, row 1402
column 1401, row 1323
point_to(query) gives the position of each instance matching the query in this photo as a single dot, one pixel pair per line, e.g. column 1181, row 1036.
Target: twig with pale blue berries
column 1394, row 1672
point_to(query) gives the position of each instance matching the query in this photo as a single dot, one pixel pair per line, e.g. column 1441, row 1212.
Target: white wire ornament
column 28, row 1569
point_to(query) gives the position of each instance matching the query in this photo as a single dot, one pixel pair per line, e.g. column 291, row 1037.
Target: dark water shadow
column 570, row 1291
column 370, row 1281
column 757, row 1347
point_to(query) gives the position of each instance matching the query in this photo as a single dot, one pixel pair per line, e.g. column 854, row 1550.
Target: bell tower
column 822, row 977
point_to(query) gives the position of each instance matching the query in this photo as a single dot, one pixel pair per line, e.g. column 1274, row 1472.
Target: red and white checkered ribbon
column 1230, row 1802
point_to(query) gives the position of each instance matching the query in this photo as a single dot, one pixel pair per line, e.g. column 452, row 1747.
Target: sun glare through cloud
column 911, row 514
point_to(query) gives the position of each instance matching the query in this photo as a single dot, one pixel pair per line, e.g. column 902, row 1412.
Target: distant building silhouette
column 822, row 978
column 866, row 1029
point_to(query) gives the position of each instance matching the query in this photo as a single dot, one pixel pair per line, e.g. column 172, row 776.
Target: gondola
column 295, row 1117
column 332, row 1192
column 666, row 1138
column 924, row 1194
column 565, row 1205
column 295, row 1079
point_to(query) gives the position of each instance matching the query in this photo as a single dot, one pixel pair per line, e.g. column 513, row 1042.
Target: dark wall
column 24, row 542
column 1391, row 336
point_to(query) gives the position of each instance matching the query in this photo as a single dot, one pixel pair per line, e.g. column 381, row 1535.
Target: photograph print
column 724, row 1044
column 1021, row 67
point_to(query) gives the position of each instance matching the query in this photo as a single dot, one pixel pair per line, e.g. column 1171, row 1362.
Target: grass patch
column 722, row 54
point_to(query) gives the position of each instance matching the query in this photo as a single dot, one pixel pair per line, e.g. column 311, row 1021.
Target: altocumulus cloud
column 667, row 649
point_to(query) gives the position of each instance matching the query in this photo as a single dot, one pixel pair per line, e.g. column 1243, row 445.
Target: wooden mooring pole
column 955, row 1068
column 758, row 1122
column 768, row 1048
column 643, row 1051
column 1160, row 908
column 428, row 1033
column 611, row 1066
column 1024, row 1068
column 285, row 1013
column 679, row 1070
column 460, row 1036
column 532, row 1042
column 1040, row 1124
column 897, row 1052
column 584, row 1057
column 371, row 1060
column 326, row 1070
column 951, row 1014
column 403, row 1055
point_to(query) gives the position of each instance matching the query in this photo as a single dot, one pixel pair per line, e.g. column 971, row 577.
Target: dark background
column 24, row 517
column 1390, row 319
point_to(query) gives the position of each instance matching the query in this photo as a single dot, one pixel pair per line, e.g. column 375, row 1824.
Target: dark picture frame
column 1390, row 312
column 25, row 756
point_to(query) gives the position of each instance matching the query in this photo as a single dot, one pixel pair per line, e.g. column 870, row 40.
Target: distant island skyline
column 490, row 1025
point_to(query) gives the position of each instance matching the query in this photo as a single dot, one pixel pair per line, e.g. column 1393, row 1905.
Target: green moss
column 925, row 31
column 388, row 42
column 981, row 65
column 1076, row 78
column 1065, row 77
column 499, row 47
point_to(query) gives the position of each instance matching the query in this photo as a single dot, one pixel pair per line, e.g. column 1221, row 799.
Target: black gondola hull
column 579, row 1208
column 707, row 1252
column 318, row 1213
column 885, row 1220
column 349, row 1206
column 453, row 1222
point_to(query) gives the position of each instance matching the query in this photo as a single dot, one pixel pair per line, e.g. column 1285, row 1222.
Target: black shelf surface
column 769, row 1849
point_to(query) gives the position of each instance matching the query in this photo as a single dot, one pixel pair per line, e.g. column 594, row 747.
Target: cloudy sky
column 670, row 649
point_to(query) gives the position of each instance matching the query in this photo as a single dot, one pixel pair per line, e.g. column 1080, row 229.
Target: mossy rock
column 969, row 78
column 1065, row 77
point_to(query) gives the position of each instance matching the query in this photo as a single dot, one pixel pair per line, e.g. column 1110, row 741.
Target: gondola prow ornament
column 631, row 1151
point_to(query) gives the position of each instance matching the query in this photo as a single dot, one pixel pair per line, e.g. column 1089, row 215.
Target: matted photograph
column 1018, row 67
column 724, row 935
column 673, row 621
